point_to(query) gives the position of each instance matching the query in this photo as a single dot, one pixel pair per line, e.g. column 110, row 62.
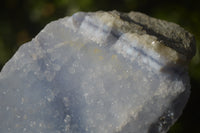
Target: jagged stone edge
column 170, row 34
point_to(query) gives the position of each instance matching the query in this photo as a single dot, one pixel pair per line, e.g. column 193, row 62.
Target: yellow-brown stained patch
column 114, row 57
column 101, row 58
column 97, row 51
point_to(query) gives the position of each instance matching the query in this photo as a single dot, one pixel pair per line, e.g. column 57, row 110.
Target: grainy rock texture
column 101, row 72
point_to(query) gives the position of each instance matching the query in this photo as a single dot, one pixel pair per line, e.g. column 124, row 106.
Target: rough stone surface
column 102, row 72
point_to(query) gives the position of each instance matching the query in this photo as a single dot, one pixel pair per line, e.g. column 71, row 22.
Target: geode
column 101, row 72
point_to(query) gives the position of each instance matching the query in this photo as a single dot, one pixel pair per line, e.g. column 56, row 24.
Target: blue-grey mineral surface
column 101, row 72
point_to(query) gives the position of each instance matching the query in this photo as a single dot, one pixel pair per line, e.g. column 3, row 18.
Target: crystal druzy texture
column 102, row 72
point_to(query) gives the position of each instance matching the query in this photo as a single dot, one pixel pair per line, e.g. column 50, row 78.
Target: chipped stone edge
column 179, row 40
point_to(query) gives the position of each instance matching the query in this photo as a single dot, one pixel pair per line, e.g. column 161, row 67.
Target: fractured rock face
column 102, row 72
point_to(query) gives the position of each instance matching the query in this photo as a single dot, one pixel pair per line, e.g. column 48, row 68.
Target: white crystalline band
column 135, row 53
column 147, row 51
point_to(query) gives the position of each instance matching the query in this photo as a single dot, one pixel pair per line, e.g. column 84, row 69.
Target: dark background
column 21, row 20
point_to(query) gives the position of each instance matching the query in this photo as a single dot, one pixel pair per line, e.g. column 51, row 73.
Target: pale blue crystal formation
column 103, row 72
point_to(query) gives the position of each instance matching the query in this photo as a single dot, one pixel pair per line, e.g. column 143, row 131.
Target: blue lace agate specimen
column 102, row 72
